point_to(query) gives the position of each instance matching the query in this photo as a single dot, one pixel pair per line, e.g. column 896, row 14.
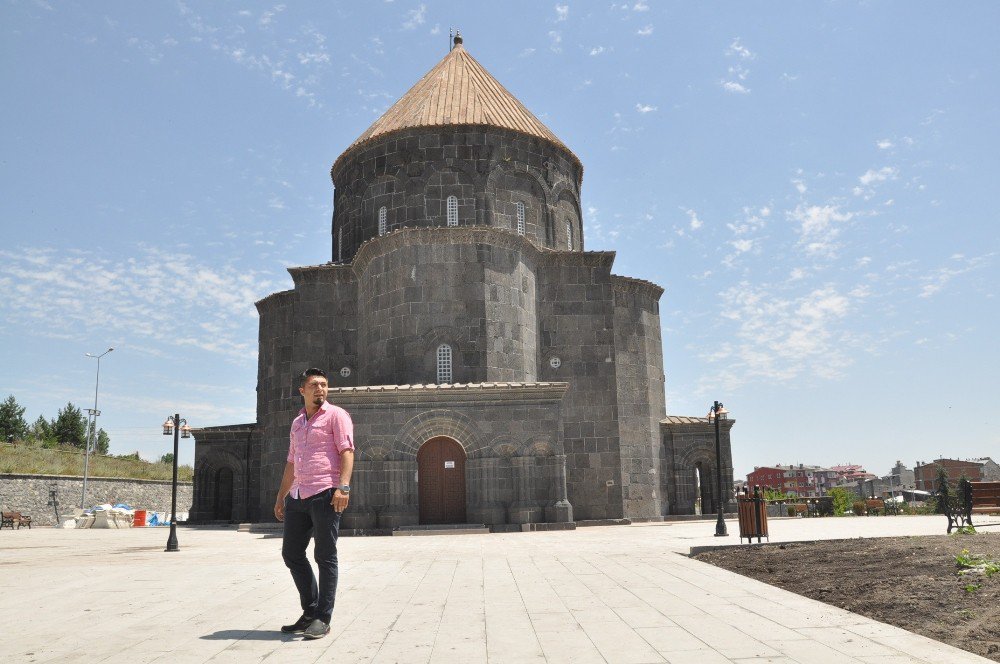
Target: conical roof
column 458, row 91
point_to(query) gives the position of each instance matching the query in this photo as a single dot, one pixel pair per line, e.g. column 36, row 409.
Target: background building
column 977, row 470
column 496, row 371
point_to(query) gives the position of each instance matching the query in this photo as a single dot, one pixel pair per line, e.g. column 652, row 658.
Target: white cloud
column 640, row 6
column 884, row 144
column 526, row 52
column 881, row 175
column 819, row 227
column 742, row 246
column 415, row 17
column 737, row 48
column 562, row 12
column 125, row 298
column 936, row 280
column 645, row 31
column 800, row 186
column 645, row 108
column 779, row 338
column 555, row 41
column 695, row 222
column 733, row 86
column 597, row 50
column 737, row 73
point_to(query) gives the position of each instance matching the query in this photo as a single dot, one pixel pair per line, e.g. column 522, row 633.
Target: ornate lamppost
column 717, row 413
column 92, row 434
column 175, row 425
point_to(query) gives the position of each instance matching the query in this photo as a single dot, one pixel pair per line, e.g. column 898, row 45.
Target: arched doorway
column 441, row 481
column 223, row 494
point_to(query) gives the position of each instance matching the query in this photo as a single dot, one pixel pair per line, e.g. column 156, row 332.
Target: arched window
column 520, row 217
column 569, row 236
column 340, row 243
column 444, row 363
column 382, row 212
column 452, row 211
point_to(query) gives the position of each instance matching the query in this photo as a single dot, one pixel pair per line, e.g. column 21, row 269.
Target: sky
column 814, row 185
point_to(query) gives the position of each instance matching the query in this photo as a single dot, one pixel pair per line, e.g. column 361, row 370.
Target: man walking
column 315, row 490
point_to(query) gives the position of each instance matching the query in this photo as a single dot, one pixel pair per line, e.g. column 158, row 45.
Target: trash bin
column 753, row 515
column 139, row 519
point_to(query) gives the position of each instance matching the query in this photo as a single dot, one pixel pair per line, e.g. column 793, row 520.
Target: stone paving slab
column 611, row 594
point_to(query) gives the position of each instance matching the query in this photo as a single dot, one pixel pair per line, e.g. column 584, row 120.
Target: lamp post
column 92, row 434
column 174, row 424
column 717, row 413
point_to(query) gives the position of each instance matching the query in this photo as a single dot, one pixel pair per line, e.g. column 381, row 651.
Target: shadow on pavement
column 247, row 635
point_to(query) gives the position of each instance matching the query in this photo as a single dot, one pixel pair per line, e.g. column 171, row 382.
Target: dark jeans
column 312, row 517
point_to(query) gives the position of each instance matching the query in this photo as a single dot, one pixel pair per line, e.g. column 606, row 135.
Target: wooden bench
column 10, row 518
column 985, row 497
column 873, row 505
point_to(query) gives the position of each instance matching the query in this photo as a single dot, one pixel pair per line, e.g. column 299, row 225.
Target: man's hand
column 339, row 501
column 279, row 509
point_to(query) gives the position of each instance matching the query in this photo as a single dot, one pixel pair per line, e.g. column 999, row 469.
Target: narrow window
column 520, row 218
column 444, row 363
column 569, row 236
column 340, row 243
column 452, row 211
column 381, row 220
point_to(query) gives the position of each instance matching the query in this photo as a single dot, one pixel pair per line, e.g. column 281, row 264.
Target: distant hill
column 27, row 459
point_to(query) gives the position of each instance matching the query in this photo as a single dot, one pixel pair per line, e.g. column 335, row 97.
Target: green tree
column 167, row 458
column 103, row 442
column 942, row 487
column 842, row 499
column 41, row 431
column 12, row 421
column 70, row 427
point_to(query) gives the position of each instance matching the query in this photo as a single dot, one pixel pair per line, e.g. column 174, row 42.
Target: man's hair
column 304, row 376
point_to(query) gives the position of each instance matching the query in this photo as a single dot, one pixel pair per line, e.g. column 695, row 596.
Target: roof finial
column 458, row 37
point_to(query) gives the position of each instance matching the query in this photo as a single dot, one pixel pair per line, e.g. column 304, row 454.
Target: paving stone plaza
column 598, row 594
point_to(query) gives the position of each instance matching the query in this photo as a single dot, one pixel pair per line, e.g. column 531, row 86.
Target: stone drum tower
column 497, row 373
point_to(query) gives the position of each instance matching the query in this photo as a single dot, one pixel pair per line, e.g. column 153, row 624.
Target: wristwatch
column 345, row 488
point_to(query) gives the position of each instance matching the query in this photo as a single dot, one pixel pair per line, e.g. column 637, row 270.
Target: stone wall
column 30, row 494
column 489, row 170
column 226, row 483
column 641, row 405
column 689, row 445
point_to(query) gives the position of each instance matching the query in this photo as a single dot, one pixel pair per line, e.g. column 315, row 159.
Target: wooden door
column 441, row 481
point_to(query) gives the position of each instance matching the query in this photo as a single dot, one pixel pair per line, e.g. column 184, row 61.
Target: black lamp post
column 180, row 427
column 717, row 413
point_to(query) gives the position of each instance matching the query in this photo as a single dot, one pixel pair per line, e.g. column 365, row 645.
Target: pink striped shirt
column 314, row 447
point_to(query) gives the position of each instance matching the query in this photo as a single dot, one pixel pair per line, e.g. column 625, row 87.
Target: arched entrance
column 224, row 494
column 441, row 481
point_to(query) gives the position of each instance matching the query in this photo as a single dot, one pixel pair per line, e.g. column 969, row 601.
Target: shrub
column 791, row 510
column 841, row 500
column 858, row 507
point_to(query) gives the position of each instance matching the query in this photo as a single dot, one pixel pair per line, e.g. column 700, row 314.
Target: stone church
column 497, row 372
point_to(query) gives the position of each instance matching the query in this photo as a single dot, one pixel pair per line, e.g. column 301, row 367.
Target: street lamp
column 92, row 434
column 717, row 413
column 174, row 424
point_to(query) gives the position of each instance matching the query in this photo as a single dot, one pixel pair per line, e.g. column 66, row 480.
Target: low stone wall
column 30, row 494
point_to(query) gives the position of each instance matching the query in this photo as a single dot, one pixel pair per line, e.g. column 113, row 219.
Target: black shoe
column 317, row 629
column 298, row 626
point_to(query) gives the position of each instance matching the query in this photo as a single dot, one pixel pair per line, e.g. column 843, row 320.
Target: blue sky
column 812, row 183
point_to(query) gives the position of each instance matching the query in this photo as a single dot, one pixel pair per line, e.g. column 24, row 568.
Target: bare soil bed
column 909, row 582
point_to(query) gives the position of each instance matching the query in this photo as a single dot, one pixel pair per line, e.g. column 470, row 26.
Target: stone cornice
column 457, row 392
column 273, row 300
column 631, row 285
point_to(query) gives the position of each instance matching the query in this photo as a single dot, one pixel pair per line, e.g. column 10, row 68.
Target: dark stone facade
column 556, row 393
